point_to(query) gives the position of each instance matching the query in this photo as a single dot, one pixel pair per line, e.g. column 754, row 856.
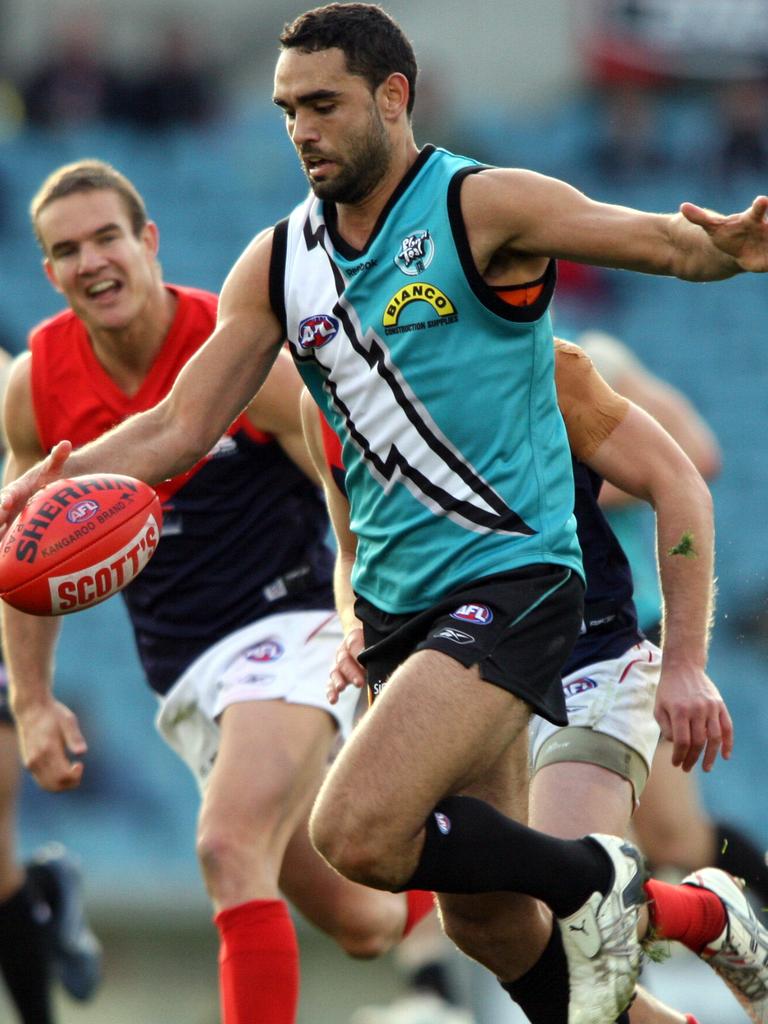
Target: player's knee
column 362, row 945
column 352, row 853
column 222, row 857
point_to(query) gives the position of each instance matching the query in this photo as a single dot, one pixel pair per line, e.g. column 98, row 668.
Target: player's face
column 334, row 122
column 95, row 260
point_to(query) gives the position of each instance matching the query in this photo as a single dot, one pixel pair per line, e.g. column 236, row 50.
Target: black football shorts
column 518, row 627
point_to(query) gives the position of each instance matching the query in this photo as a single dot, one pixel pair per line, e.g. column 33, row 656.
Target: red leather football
column 78, row 541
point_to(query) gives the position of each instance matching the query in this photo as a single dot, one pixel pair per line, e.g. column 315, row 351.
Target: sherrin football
column 77, row 542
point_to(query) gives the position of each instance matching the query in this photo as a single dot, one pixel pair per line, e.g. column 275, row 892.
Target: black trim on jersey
column 277, row 273
column 505, row 520
column 484, row 293
column 518, row 287
column 329, row 210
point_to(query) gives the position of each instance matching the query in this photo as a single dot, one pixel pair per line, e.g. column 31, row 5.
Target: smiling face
column 335, row 123
column 106, row 272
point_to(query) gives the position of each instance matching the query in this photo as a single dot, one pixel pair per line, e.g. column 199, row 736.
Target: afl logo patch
column 480, row 614
column 578, row 686
column 316, row 331
column 443, row 822
column 267, row 650
column 82, row 511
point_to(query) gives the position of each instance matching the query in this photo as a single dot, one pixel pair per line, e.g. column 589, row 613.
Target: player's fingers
column 57, row 456
column 681, row 741
column 74, row 740
column 665, row 723
column 726, row 731
column 711, row 751
column 349, row 667
column 759, row 208
column 72, row 777
column 699, row 216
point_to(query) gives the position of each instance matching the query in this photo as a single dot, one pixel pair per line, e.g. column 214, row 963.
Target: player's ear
column 393, row 95
column 50, row 273
column 151, row 237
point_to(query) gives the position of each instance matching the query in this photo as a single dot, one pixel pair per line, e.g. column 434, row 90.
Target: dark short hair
column 88, row 176
column 373, row 44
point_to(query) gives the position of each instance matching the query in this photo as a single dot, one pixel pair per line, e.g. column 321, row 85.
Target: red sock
column 420, row 903
column 685, row 913
column 258, row 963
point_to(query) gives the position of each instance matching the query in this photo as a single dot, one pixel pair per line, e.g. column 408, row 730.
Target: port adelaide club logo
column 416, row 252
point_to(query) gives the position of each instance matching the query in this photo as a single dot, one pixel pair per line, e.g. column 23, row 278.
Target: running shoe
column 740, row 953
column 601, row 942
column 75, row 950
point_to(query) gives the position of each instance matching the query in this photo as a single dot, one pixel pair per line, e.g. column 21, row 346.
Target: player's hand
column 743, row 236
column 51, row 742
column 347, row 670
column 17, row 493
column 693, row 716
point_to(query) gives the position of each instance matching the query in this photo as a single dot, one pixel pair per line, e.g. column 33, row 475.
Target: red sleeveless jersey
column 244, row 530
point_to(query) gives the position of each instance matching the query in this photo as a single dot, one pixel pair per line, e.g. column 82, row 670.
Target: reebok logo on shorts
column 455, row 635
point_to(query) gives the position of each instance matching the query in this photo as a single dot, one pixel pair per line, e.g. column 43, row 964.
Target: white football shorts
column 281, row 657
column 613, row 702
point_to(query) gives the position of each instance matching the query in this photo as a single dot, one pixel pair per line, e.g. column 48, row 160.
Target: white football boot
column 740, row 953
column 601, row 942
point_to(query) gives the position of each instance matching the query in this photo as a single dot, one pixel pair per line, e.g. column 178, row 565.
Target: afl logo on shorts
column 480, row 614
column 82, row 511
column 316, row 331
column 267, row 650
column 573, row 689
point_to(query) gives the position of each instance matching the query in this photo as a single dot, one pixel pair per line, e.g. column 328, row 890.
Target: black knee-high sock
column 542, row 993
column 740, row 856
column 25, row 958
column 470, row 848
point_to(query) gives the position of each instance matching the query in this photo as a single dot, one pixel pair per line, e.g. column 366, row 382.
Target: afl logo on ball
column 316, row 331
column 82, row 511
column 267, row 650
column 480, row 614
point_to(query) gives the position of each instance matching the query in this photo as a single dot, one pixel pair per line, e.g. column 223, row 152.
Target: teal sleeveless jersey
column 443, row 395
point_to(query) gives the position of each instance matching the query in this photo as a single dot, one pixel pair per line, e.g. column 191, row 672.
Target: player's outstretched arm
column 213, row 388
column 522, row 213
column 50, row 739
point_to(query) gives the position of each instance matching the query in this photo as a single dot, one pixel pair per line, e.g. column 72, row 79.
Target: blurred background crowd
column 643, row 102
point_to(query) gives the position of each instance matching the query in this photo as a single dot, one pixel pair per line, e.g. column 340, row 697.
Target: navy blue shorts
column 518, row 627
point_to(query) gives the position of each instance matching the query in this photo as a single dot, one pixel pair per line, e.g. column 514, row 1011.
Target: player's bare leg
column 365, row 922
column 428, row 734
column 670, row 824
column 270, row 757
column 439, row 729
